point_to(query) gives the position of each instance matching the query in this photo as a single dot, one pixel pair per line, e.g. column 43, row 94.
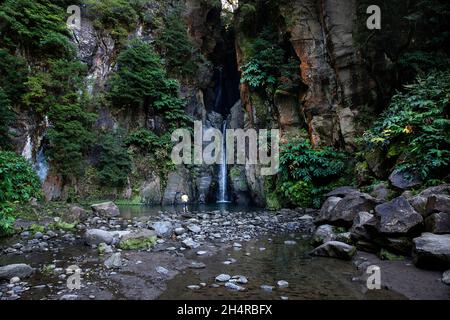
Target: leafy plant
column 142, row 82
column 307, row 173
column 417, row 121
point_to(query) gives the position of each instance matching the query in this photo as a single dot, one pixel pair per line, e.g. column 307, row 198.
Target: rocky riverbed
column 178, row 253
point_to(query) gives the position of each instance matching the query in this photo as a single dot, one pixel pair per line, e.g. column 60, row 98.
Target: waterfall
column 223, row 173
column 41, row 166
column 27, row 152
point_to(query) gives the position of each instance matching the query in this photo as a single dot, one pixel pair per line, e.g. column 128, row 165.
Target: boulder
column 106, row 209
column 191, row 244
column 335, row 249
column 141, row 239
column 404, row 180
column 20, row 270
column 381, row 192
column 401, row 245
column 358, row 230
column 345, row 237
column 446, row 277
column 75, row 214
column 419, row 203
column 441, row 189
column 348, row 208
column 97, row 236
column 396, row 217
column 163, row 229
column 114, row 261
column 432, row 251
column 341, row 192
column 327, row 209
column 323, row 233
column 438, row 223
column 438, row 203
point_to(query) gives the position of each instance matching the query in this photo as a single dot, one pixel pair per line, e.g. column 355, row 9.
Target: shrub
column 115, row 164
column 415, row 128
column 18, row 183
column 307, row 173
column 142, row 82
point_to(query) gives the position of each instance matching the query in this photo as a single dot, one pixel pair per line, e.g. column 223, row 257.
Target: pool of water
column 267, row 261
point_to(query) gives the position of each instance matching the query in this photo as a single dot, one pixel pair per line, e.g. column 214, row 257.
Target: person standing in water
column 185, row 200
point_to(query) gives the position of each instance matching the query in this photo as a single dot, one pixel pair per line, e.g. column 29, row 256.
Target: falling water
column 27, row 152
column 223, row 174
column 41, row 166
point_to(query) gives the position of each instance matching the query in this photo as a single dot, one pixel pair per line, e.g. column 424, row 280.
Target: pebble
column 201, row 253
column 283, row 284
column 162, row 270
column 233, row 286
column 266, row 288
column 193, row 287
column 197, row 265
column 223, row 277
column 14, row 280
column 290, row 242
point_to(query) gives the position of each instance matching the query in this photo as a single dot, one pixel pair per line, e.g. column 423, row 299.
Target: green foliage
column 119, row 17
column 307, row 173
column 114, row 164
column 138, row 244
column 18, row 184
column 36, row 26
column 6, row 118
column 142, row 82
column 181, row 55
column 415, row 127
column 147, row 140
column 18, row 181
column 270, row 67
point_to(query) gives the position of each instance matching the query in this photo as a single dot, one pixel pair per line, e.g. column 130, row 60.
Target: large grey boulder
column 438, row 203
column 404, row 180
column 348, row 208
column 75, row 214
column 114, row 261
column 139, row 235
column 446, row 277
column 358, row 230
column 20, row 270
column 323, row 233
column 396, row 217
column 440, row 189
column 163, row 229
column 327, row 209
column 438, row 223
column 432, row 251
column 106, row 209
column 419, row 203
column 97, row 236
column 341, row 192
column 335, row 249
column 381, row 192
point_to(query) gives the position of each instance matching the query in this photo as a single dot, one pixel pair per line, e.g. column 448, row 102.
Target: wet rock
column 283, row 284
column 114, row 261
column 341, row 192
column 358, row 230
column 197, row 265
column 14, row 280
column 327, row 209
column 404, row 180
column 138, row 239
column 266, row 288
column 323, row 233
column 193, row 287
column 438, row 203
column 234, row 286
column 75, row 214
column 381, row 192
column 441, row 189
column 335, row 249
column 20, row 270
column 97, row 236
column 432, row 251
column 191, row 244
column 104, row 248
column 180, row 231
column 194, row 228
column 201, row 253
column 289, row 243
column 396, row 217
column 446, row 277
column 438, row 223
column 398, row 245
column 419, row 203
column 69, row 297
column 163, row 229
column 223, row 277
column 345, row 237
column 162, row 270
column 106, row 209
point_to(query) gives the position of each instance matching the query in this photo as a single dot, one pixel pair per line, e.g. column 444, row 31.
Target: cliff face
column 338, row 85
